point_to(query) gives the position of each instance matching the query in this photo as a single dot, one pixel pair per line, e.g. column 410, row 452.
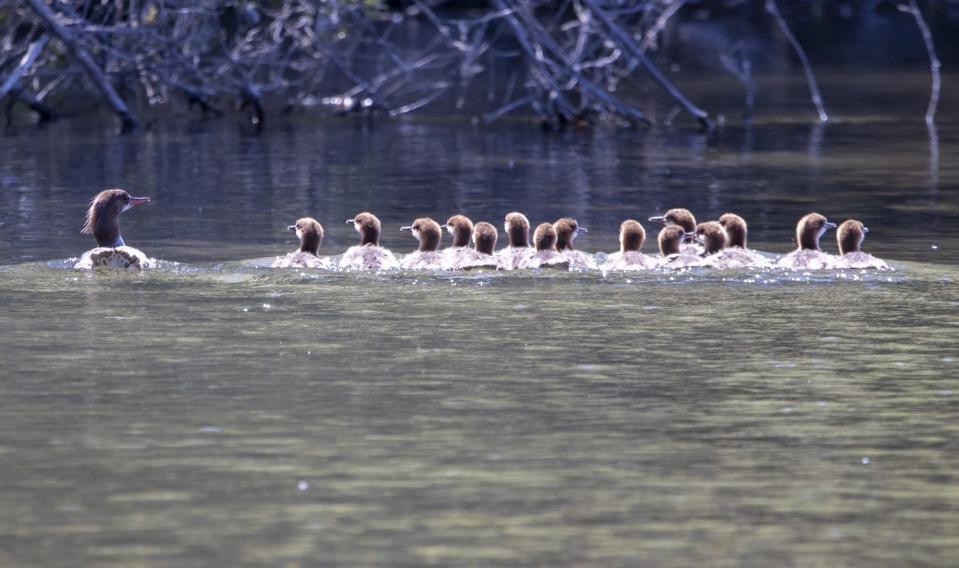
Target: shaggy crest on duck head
column 102, row 216
column 517, row 229
column 713, row 237
column 545, row 237
column 682, row 217
column 809, row 229
column 484, row 237
column 368, row 226
column 632, row 235
column 736, row 229
column 850, row 236
column 427, row 232
column 566, row 230
column 310, row 233
column 670, row 237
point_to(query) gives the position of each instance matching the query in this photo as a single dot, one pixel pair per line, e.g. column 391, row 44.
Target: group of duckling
column 683, row 243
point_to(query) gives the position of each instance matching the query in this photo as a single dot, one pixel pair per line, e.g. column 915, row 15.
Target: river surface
column 213, row 412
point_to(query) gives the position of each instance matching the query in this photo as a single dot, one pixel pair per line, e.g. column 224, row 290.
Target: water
column 215, row 413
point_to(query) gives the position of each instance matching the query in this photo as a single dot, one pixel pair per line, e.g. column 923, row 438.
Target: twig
column 934, row 64
column 28, row 58
column 773, row 10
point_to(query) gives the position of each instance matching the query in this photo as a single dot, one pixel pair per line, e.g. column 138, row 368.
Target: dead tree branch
column 934, row 64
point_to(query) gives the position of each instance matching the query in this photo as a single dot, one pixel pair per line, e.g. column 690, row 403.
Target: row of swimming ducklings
column 683, row 243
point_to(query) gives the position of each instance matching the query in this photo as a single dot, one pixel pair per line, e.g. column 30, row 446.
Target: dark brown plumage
column 427, row 232
column 670, row 237
column 736, row 229
column 102, row 219
column 713, row 237
column 461, row 228
column 517, row 229
column 368, row 226
column 850, row 235
column 545, row 237
column 809, row 229
column 566, row 230
column 310, row 233
column 484, row 237
column 632, row 235
column 682, row 217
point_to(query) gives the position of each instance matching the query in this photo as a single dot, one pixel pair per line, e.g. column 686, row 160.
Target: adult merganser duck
column 736, row 234
column 518, row 249
column 566, row 231
column 458, row 255
column 484, row 241
column 808, row 255
column 368, row 255
column 850, row 236
column 310, row 233
column 427, row 256
column 685, row 219
column 546, row 255
column 631, row 239
column 670, row 238
column 102, row 222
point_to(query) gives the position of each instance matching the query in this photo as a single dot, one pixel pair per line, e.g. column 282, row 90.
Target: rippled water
column 216, row 413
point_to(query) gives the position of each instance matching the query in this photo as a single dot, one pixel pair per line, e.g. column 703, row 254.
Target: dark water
column 213, row 413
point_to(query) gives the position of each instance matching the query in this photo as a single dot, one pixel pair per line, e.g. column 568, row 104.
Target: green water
column 219, row 414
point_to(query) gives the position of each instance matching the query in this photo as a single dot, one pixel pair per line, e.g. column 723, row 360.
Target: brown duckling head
column 368, row 226
column 310, row 233
column 810, row 228
column 545, row 237
column 566, row 231
column 682, row 217
column 460, row 228
column 850, row 236
column 736, row 229
column 484, row 237
column 712, row 235
column 427, row 232
column 517, row 229
column 670, row 238
column 632, row 235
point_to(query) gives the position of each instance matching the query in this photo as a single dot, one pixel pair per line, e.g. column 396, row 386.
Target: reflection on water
column 215, row 413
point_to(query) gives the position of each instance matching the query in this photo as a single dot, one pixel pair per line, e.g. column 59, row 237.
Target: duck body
column 806, row 259
column 808, row 255
column 860, row 260
column 428, row 234
column 544, row 259
column 102, row 221
column 736, row 257
column 630, row 260
column 424, row 260
column 579, row 261
column 683, row 260
column 310, row 234
column 368, row 257
column 511, row 257
column 301, row 259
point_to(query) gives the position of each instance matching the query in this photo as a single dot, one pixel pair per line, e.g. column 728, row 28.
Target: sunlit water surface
column 213, row 412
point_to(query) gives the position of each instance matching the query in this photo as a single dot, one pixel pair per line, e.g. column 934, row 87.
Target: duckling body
column 546, row 255
column 809, row 256
column 102, row 221
column 673, row 257
column 685, row 219
column 518, row 250
column 459, row 255
column 427, row 257
column 484, row 243
column 368, row 255
column 849, row 236
column 566, row 231
column 310, row 234
column 631, row 239
column 736, row 251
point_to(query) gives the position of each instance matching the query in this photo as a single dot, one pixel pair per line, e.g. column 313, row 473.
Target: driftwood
column 570, row 61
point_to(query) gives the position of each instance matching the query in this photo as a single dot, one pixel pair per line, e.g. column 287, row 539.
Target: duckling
column 102, row 221
column 484, row 241
column 427, row 256
column 368, row 255
column 546, row 255
column 459, row 255
column 631, row 239
column 736, row 232
column 850, row 236
column 685, row 219
column 808, row 255
column 670, row 238
column 713, row 237
column 566, row 231
column 310, row 234
column 518, row 249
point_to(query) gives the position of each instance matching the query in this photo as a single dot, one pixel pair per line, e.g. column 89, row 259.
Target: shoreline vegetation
column 572, row 63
